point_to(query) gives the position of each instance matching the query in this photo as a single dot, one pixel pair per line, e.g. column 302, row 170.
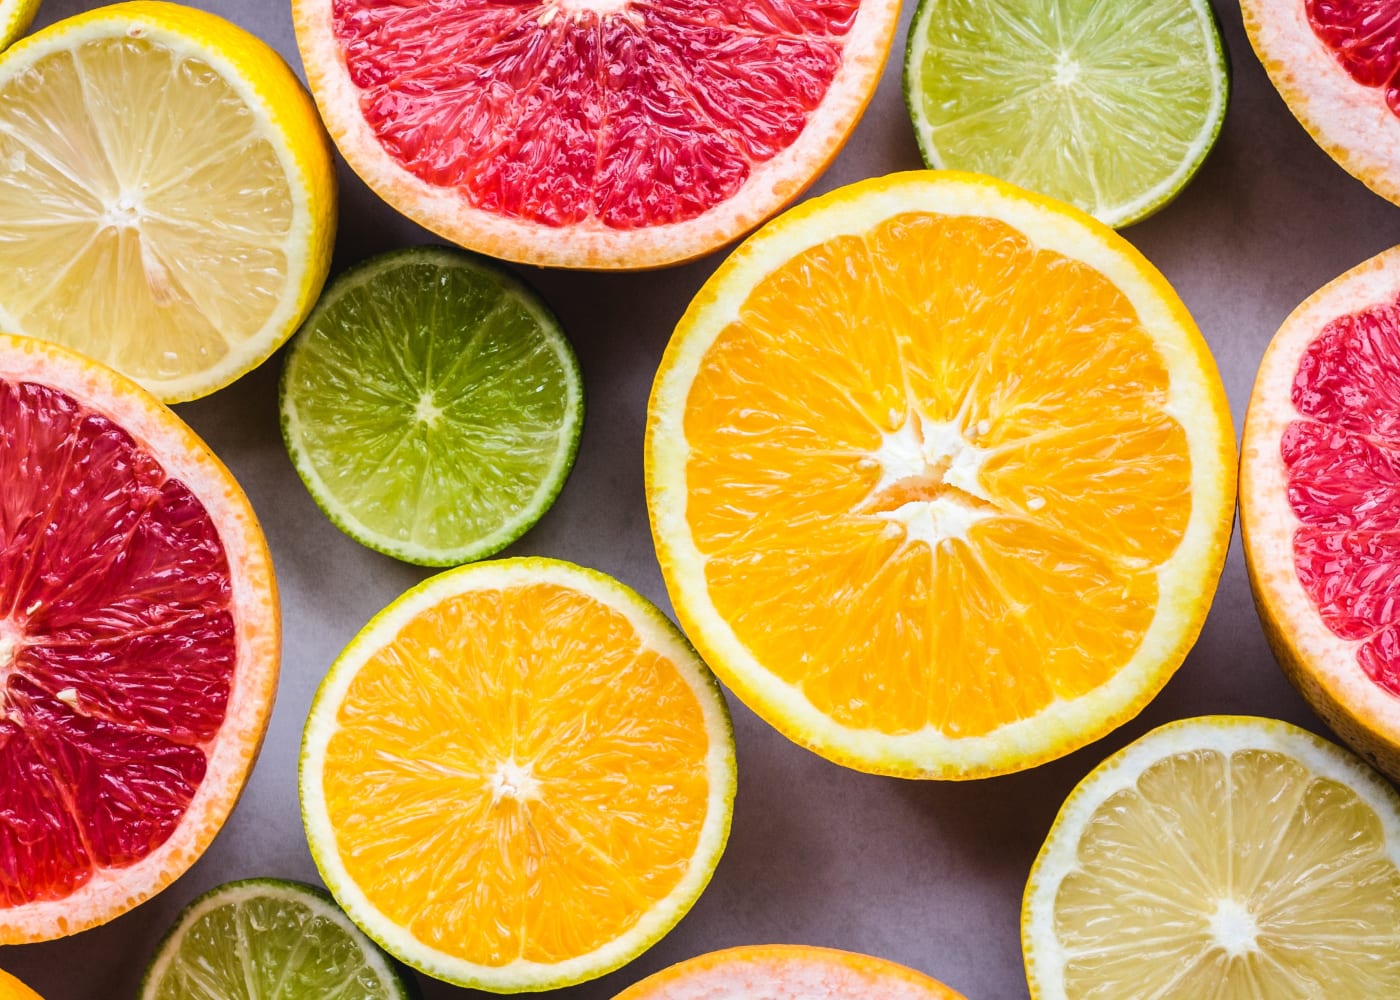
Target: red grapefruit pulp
column 138, row 643
column 1320, row 503
column 592, row 133
column 1364, row 35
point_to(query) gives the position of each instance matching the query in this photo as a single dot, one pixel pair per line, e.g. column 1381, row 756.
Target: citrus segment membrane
column 628, row 112
column 1364, row 37
column 117, row 645
column 1342, row 457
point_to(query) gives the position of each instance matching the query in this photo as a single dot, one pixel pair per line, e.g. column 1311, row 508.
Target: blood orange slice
column 1337, row 65
column 139, row 641
column 1320, row 503
column 592, row 133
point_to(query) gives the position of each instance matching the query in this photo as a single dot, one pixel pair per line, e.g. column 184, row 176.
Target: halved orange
column 763, row 971
column 12, row 989
column 518, row 776
column 941, row 476
column 139, row 643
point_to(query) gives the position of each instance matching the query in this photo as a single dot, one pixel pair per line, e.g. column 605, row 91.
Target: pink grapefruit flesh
column 138, row 642
column 1364, row 35
column 594, row 133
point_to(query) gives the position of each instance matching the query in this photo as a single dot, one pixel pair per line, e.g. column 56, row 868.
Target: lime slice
column 1110, row 105
column 265, row 939
column 432, row 406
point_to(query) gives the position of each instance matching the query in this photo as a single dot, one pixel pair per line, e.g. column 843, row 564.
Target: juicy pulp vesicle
column 649, row 113
column 1364, row 36
column 1343, row 463
column 117, row 645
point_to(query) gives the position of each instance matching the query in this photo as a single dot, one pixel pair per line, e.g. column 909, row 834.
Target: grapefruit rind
column 254, row 604
column 1321, row 664
column 1226, row 734
column 1348, row 120
column 812, row 973
column 657, row 632
column 1197, row 401
column 592, row 245
column 271, row 91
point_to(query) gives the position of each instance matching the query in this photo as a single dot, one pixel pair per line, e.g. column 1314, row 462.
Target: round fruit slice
column 941, row 476
column 1337, row 65
column 518, row 776
column 139, row 643
column 268, row 939
column 15, row 18
column 1219, row 857
column 432, row 406
column 167, row 200
column 1320, row 504
column 592, row 133
column 787, row 971
column 12, row 989
column 1111, row 107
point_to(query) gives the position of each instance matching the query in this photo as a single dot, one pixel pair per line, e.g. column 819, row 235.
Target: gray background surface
column 928, row 874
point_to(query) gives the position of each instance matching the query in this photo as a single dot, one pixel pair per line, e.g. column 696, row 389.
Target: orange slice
column 12, row 989
column 763, row 971
column 940, row 475
column 139, row 643
column 518, row 776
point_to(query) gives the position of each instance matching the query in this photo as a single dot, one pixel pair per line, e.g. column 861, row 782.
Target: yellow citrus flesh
column 1228, row 858
column 166, row 195
column 12, row 989
column 787, row 970
column 933, row 479
column 519, row 778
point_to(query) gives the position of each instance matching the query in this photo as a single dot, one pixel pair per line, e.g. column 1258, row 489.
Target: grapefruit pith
column 1336, row 64
column 1320, row 503
column 591, row 133
column 139, row 641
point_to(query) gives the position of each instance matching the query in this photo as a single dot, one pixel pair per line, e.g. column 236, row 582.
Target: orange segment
column 934, row 467
column 520, row 771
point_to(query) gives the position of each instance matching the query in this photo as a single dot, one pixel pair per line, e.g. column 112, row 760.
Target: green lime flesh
column 1110, row 105
column 267, row 939
column 432, row 406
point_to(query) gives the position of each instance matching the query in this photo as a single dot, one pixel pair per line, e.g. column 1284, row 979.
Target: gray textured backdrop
column 926, row 874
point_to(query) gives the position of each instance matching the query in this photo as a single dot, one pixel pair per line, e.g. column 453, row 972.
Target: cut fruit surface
column 1222, row 857
column 780, row 971
column 432, row 406
column 138, row 643
column 268, row 939
column 1319, row 495
column 1111, row 107
column 940, row 475
column 518, row 776
column 592, row 133
column 15, row 18
column 12, row 989
column 167, row 201
column 1337, row 65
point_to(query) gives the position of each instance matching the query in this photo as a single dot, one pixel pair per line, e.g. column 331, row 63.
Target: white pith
column 1233, row 928
column 925, row 448
column 655, row 632
column 1046, row 957
column 578, row 8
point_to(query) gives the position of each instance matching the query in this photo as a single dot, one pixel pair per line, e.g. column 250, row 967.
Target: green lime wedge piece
column 1110, row 105
column 269, row 939
column 432, row 406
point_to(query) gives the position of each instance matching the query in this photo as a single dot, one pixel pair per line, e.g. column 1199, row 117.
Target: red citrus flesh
column 1364, row 36
column 117, row 645
column 632, row 113
column 1343, row 464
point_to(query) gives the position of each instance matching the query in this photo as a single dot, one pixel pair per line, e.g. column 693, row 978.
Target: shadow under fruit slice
column 760, row 971
column 139, row 643
column 941, row 476
column 518, row 776
column 1224, row 857
column 592, row 133
column 1320, row 504
column 1336, row 64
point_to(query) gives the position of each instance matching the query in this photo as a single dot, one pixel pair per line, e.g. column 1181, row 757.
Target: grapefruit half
column 1320, row 504
column 1336, row 64
column 139, row 643
column 592, row 133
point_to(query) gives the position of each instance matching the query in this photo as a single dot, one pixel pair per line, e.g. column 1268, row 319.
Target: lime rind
column 392, row 985
column 1075, row 105
column 488, row 441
